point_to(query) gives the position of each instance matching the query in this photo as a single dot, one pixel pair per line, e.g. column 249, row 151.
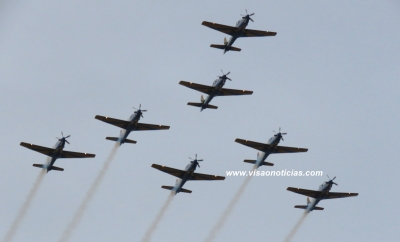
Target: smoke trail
column 159, row 216
column 24, row 209
column 296, row 227
column 89, row 195
column 215, row 230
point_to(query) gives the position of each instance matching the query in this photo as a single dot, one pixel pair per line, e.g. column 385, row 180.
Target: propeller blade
column 57, row 138
column 335, row 183
column 251, row 19
column 282, row 138
column 328, row 177
column 191, row 158
column 200, row 160
column 251, row 14
column 62, row 134
column 283, row 133
column 334, row 178
column 67, row 141
column 227, row 73
column 68, row 136
column 229, row 79
column 198, row 165
column 144, row 110
column 196, row 157
column 140, row 105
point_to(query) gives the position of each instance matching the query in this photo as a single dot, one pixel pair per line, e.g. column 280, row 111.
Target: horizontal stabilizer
column 130, row 141
column 38, row 165
column 185, row 190
column 201, row 104
column 305, row 207
column 223, row 47
column 254, row 161
column 112, row 138
column 57, row 168
column 167, row 187
column 171, row 187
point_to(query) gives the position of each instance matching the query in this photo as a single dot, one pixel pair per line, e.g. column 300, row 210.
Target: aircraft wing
column 332, row 195
column 198, row 87
column 142, row 127
column 233, row 92
column 257, row 33
column 305, row 192
column 252, row 144
column 169, row 170
column 70, row 154
column 199, row 176
column 37, row 148
column 221, row 28
column 283, row 149
column 119, row 123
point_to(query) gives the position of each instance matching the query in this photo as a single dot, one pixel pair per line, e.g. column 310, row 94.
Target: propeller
column 331, row 181
column 279, row 133
column 224, row 76
column 247, row 16
column 139, row 110
column 63, row 138
column 195, row 160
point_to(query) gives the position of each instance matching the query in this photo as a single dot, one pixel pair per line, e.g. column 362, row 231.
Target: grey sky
column 330, row 78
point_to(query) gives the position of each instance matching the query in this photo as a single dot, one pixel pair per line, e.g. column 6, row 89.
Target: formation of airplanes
column 215, row 90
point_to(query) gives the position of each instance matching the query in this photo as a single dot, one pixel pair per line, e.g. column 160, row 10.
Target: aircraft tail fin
column 254, row 161
column 171, row 187
column 201, row 105
column 224, row 47
column 202, row 99
column 225, row 41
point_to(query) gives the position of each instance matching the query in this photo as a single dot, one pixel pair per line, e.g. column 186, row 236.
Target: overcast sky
column 329, row 78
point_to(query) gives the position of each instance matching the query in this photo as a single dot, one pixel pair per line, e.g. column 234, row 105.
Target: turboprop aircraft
column 55, row 153
column 322, row 193
column 185, row 175
column 215, row 90
column 131, row 125
column 236, row 32
column 269, row 148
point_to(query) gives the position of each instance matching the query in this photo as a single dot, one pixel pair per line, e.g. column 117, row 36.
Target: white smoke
column 89, row 196
column 160, row 215
column 25, row 207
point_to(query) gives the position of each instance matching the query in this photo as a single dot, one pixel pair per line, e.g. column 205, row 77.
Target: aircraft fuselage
column 59, row 146
column 241, row 25
column 324, row 188
column 133, row 120
column 190, row 168
column 273, row 142
column 218, row 84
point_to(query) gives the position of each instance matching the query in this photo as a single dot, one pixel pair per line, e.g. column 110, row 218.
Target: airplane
column 269, row 148
column 322, row 193
column 236, row 32
column 131, row 125
column 55, row 153
column 185, row 175
column 215, row 90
